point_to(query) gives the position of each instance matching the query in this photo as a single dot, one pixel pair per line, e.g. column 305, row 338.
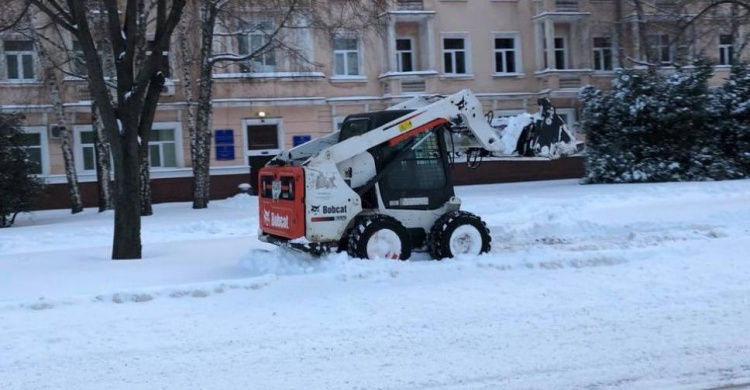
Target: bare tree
column 686, row 22
column 127, row 116
column 279, row 22
column 52, row 82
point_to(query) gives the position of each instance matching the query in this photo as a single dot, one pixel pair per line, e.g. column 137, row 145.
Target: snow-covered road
column 600, row 287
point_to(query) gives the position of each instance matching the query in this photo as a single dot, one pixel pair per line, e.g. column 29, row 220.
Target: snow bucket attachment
column 547, row 136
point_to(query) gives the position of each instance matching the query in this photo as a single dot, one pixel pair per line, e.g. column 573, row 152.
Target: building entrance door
column 263, row 142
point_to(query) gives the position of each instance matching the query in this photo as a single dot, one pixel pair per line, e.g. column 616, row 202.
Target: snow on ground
column 641, row 286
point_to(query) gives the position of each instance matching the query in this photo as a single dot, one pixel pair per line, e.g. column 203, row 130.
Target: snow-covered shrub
column 650, row 127
column 18, row 187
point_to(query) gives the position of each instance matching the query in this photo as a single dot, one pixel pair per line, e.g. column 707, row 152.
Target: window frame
column 466, row 50
column 19, row 61
column 344, row 53
column 564, row 50
column 177, row 128
column 79, row 145
column 726, row 50
column 44, row 146
column 602, row 51
column 659, row 47
column 247, row 67
column 399, row 53
column 518, row 55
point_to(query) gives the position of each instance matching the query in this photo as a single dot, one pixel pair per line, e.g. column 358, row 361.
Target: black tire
column 443, row 229
column 364, row 230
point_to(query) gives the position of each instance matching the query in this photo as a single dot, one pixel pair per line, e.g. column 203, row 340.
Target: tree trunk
column 103, row 163
column 102, row 151
column 66, row 138
column 200, row 139
column 146, row 207
column 127, row 238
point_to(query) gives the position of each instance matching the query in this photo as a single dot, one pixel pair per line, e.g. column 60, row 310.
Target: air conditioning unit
column 55, row 131
column 168, row 88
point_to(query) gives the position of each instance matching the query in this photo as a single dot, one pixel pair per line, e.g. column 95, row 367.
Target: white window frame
column 726, row 50
column 660, row 46
column 79, row 145
column 44, row 145
column 279, row 122
column 399, row 53
column 564, row 51
column 177, row 127
column 467, row 53
column 263, row 58
column 602, row 54
column 516, row 36
column 19, row 59
column 345, row 54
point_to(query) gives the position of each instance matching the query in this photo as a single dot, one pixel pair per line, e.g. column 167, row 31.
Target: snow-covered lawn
column 587, row 287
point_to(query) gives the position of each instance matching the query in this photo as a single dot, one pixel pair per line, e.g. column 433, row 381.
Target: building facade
column 508, row 52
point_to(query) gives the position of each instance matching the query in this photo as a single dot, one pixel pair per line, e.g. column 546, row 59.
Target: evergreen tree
column 667, row 128
column 18, row 187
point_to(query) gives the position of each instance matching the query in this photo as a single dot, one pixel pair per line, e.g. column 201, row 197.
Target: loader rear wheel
column 459, row 233
column 379, row 236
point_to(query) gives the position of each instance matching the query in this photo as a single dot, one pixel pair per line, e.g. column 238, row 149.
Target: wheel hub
column 384, row 243
column 466, row 240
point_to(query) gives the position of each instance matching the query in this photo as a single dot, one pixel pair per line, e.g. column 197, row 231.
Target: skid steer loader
column 381, row 187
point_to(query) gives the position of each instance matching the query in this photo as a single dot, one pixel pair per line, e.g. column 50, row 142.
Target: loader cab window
column 359, row 124
column 353, row 128
column 422, row 169
column 419, row 181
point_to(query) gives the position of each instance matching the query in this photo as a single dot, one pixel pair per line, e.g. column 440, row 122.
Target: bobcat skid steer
column 381, row 187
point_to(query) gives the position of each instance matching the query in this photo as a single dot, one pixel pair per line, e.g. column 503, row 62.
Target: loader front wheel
column 459, row 233
column 379, row 236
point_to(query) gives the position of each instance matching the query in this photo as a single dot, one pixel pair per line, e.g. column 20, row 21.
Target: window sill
column 348, row 79
column 20, row 82
column 272, row 75
column 546, row 72
column 467, row 76
column 509, row 75
column 412, row 74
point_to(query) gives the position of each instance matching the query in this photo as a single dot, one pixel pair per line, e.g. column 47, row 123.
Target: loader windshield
column 358, row 124
column 354, row 127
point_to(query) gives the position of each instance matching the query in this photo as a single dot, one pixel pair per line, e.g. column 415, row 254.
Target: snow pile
column 512, row 128
column 611, row 287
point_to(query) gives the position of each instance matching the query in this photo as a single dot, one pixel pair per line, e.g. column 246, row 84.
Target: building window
column 19, row 60
column 258, row 36
column 405, row 54
column 560, row 54
column 602, row 53
column 162, row 148
column 166, row 68
column 726, row 51
column 34, row 140
column 345, row 56
column 88, row 154
column 659, row 49
column 455, row 56
column 506, row 54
